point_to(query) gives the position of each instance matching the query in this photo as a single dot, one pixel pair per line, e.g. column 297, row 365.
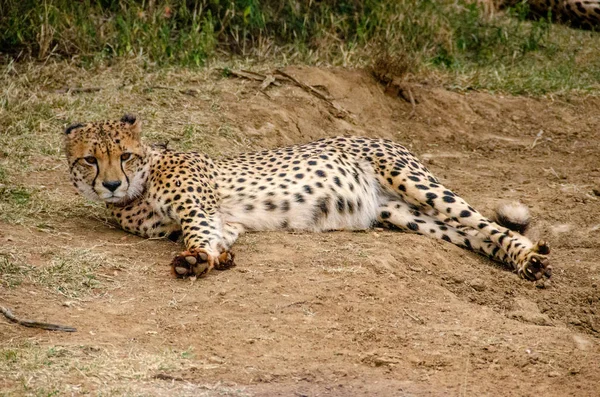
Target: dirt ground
column 337, row 314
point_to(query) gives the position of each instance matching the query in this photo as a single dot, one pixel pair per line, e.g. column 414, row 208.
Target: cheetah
column 579, row 13
column 341, row 183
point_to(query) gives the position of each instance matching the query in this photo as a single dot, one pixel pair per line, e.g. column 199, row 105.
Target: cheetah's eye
column 125, row 156
column 90, row 160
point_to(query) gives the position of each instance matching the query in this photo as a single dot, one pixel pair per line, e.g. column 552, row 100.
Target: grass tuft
column 12, row 271
column 75, row 274
column 32, row 369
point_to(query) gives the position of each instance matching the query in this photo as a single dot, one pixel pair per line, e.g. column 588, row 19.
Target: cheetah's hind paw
column 536, row 267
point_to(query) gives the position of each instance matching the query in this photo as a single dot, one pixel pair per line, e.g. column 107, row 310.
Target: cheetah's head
column 107, row 159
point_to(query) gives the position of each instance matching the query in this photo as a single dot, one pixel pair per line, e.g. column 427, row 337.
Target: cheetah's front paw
column 195, row 262
column 536, row 264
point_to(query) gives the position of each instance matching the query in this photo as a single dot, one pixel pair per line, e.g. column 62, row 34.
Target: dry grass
column 70, row 273
column 33, row 369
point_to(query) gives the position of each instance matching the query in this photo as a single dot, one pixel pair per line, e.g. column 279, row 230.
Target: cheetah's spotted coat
column 334, row 183
column 579, row 13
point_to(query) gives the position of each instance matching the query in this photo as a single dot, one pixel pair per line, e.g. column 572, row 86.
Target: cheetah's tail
column 514, row 216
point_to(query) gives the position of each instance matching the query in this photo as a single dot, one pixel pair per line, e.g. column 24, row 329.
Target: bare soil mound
column 366, row 313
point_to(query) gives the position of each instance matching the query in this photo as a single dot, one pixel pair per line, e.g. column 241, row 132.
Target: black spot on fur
column 174, row 236
column 465, row 214
column 468, row 244
column 73, row 127
column 341, row 205
column 501, row 239
column 350, row 206
column 413, row 226
column 322, row 209
column 128, row 118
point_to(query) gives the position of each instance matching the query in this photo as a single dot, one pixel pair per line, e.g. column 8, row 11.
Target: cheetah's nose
column 111, row 185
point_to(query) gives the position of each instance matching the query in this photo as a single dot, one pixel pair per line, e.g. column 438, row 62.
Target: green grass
column 454, row 42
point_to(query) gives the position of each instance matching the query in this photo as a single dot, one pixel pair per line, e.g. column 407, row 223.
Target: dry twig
column 339, row 111
column 188, row 91
column 35, row 324
column 305, row 87
column 162, row 376
column 412, row 102
column 77, row 90
column 417, row 319
column 250, row 75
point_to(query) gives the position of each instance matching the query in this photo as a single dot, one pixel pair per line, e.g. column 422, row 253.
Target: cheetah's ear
column 72, row 128
column 134, row 123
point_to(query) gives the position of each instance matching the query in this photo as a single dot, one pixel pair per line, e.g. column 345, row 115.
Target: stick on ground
column 77, row 90
column 35, row 324
column 338, row 111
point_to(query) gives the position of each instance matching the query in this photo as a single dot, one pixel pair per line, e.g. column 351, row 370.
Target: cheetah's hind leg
column 403, row 216
column 418, row 187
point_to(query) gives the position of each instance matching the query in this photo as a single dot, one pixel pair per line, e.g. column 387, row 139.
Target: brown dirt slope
column 367, row 313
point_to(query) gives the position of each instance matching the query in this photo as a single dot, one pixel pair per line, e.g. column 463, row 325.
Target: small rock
column 553, row 374
column 216, row 360
column 528, row 312
column 596, row 192
column 478, row 284
column 543, row 284
column 581, row 342
column 456, row 280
